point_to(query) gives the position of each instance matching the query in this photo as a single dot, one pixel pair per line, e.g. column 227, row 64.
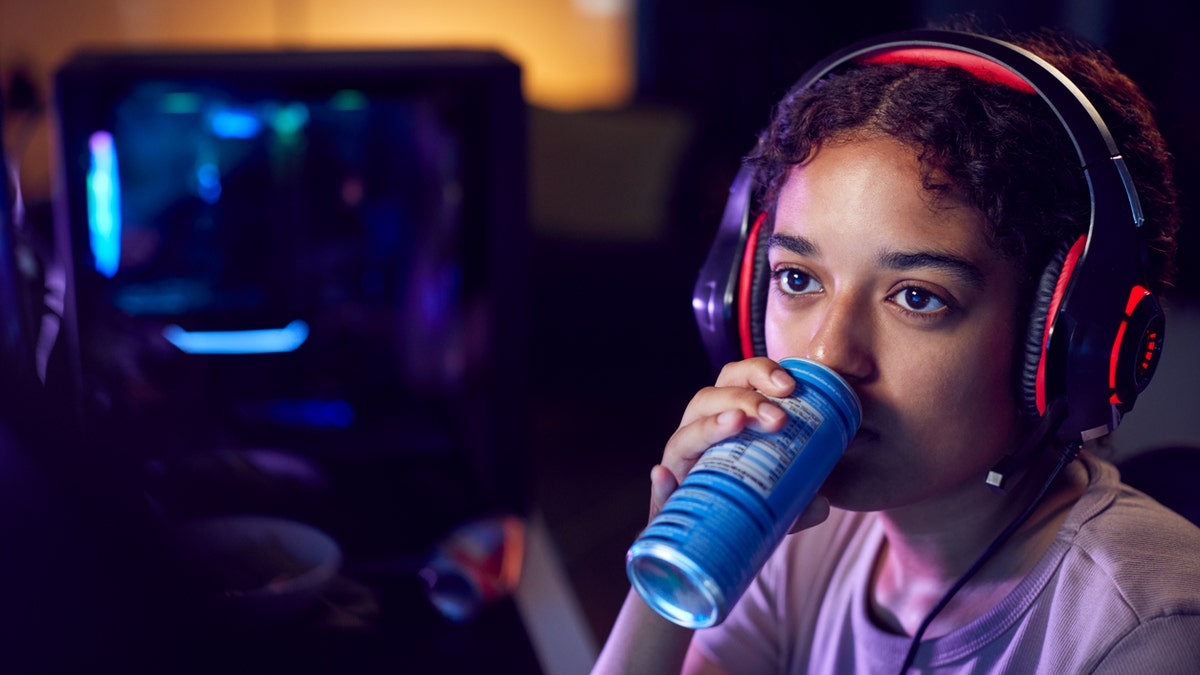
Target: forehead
column 874, row 190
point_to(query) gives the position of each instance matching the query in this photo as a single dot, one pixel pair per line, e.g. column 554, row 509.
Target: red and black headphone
column 1095, row 330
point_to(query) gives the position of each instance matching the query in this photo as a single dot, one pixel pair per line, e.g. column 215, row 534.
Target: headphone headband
column 1078, row 116
column 1089, row 309
column 978, row 66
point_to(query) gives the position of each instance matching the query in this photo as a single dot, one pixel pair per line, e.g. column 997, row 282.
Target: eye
column 919, row 300
column 792, row 281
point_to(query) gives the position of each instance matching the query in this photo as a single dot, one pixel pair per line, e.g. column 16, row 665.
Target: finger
column 713, row 401
column 815, row 514
column 744, row 385
column 693, row 438
column 690, row 441
column 758, row 373
column 662, row 484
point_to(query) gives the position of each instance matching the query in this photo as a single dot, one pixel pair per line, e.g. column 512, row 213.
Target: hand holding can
column 698, row 555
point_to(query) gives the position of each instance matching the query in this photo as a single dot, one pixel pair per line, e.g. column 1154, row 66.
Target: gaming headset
column 1095, row 330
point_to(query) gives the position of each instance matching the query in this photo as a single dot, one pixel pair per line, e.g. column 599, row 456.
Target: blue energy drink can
column 700, row 553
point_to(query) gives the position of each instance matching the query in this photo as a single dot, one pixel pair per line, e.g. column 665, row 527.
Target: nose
column 842, row 338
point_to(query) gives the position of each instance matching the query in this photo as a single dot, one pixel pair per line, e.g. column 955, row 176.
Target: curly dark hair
column 1001, row 150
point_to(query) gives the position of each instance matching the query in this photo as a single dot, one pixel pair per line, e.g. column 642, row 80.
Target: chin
column 846, row 490
column 864, row 479
column 862, row 447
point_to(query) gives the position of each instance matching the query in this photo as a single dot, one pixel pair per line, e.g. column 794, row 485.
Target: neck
column 929, row 546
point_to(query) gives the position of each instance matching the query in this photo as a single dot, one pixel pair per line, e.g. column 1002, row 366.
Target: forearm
column 641, row 641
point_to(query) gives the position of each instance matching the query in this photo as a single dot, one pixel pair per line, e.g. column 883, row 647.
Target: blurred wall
column 575, row 54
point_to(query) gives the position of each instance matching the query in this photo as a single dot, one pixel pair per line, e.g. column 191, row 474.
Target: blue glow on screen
column 262, row 341
column 208, row 182
column 104, row 203
column 231, row 123
column 290, row 119
column 348, row 100
column 330, row 414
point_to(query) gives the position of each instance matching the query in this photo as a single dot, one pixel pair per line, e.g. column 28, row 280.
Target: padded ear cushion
column 1046, row 299
column 753, row 284
column 760, row 285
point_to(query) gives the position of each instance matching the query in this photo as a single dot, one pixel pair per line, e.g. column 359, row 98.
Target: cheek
column 977, row 379
column 779, row 346
column 783, row 336
column 1002, row 353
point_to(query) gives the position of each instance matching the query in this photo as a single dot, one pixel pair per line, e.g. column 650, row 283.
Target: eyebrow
column 966, row 271
column 798, row 245
column 963, row 269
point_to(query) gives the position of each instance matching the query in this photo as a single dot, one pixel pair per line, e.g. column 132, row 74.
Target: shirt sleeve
column 1166, row 645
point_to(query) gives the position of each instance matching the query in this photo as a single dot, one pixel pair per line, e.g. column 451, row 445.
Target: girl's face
column 907, row 300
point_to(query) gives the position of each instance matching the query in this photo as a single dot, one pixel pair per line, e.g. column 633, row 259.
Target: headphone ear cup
column 760, row 285
column 1046, row 299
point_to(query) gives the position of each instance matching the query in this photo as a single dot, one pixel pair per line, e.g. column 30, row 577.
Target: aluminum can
column 474, row 566
column 700, row 553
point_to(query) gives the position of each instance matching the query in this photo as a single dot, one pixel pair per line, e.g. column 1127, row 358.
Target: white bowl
column 259, row 565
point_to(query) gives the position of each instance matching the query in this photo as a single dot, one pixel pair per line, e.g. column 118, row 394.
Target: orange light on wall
column 575, row 54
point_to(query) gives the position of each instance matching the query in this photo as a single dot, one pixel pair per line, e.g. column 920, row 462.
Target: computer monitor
column 316, row 250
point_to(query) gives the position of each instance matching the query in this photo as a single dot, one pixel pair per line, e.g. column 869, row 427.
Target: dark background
column 613, row 351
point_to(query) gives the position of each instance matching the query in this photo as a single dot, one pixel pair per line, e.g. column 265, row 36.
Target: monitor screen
column 293, row 247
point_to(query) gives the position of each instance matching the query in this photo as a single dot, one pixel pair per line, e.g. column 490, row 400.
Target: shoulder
column 1124, row 539
column 1128, row 585
column 1165, row 645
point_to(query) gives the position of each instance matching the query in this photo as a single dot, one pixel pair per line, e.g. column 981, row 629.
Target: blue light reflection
column 231, row 123
column 104, row 203
column 329, row 414
column 262, row 341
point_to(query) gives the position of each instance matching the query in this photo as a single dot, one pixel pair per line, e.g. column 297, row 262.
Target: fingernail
column 782, row 379
column 726, row 418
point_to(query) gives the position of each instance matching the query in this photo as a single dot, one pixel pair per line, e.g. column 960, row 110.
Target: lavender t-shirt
column 1117, row 592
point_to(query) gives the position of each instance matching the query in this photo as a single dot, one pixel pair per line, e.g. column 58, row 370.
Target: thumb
column 662, row 484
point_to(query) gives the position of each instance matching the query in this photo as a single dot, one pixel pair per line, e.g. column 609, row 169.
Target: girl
column 911, row 206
